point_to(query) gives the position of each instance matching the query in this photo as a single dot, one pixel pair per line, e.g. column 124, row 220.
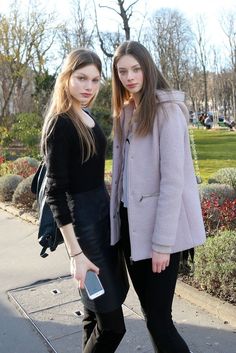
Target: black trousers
column 155, row 292
column 102, row 332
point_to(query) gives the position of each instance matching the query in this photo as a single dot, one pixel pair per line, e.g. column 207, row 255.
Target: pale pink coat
column 164, row 208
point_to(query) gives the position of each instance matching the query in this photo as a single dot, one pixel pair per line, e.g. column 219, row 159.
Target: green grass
column 215, row 149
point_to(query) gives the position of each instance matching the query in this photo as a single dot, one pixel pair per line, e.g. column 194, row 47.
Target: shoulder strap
column 38, row 177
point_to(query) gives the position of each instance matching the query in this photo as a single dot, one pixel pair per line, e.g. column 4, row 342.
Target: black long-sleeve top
column 66, row 174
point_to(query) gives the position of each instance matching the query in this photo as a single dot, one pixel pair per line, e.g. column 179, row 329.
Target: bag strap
column 37, row 179
column 194, row 156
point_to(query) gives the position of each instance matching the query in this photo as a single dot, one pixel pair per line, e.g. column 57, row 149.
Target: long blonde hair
column 152, row 80
column 61, row 101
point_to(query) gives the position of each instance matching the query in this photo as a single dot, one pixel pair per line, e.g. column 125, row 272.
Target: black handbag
column 49, row 236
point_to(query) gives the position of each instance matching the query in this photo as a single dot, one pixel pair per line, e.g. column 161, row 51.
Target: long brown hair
column 61, row 101
column 152, row 80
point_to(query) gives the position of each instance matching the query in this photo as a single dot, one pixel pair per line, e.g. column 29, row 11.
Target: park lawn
column 215, row 149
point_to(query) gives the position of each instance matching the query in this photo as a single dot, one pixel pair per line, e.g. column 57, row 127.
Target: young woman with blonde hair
column 74, row 146
column 155, row 206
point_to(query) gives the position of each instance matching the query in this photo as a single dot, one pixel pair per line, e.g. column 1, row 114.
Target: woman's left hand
column 160, row 261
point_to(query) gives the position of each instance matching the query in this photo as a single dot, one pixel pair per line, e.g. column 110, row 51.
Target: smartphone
column 93, row 285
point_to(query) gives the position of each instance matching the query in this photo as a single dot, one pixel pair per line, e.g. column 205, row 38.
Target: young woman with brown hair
column 155, row 206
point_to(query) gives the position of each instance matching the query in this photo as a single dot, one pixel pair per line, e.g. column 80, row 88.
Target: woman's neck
column 136, row 98
column 83, row 116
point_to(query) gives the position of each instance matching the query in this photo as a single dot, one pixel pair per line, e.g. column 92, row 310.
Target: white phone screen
column 93, row 285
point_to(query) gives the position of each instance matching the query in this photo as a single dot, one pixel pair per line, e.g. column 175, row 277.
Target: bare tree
column 124, row 13
column 78, row 32
column 110, row 40
column 193, row 83
column 228, row 24
column 171, row 40
column 108, row 43
column 214, row 85
column 202, row 51
column 24, row 42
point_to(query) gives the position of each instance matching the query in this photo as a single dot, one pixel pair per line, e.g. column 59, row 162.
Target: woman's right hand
column 79, row 265
column 160, row 261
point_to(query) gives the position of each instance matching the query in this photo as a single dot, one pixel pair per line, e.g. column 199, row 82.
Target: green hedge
column 8, row 184
column 224, row 176
column 215, row 266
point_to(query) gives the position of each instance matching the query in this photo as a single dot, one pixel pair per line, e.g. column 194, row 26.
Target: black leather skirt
column 91, row 221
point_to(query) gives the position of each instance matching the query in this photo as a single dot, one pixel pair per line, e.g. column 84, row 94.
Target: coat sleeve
column 172, row 134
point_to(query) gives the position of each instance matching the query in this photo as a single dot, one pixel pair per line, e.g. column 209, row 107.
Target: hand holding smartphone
column 93, row 285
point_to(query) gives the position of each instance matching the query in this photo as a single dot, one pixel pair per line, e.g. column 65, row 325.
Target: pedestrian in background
column 155, row 206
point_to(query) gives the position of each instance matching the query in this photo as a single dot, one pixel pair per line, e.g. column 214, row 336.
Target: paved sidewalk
column 40, row 315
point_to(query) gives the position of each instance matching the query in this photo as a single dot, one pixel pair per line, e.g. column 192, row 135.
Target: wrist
column 76, row 254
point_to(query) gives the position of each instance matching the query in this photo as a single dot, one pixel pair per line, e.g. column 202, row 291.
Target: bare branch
column 110, row 8
column 125, row 14
column 131, row 5
column 102, row 46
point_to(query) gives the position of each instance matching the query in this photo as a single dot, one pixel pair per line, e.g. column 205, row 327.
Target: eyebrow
column 132, row 67
column 82, row 74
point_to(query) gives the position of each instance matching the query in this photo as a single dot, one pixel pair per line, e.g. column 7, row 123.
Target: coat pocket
column 145, row 196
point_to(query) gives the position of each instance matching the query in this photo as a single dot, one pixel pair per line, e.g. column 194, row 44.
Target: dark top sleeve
column 59, row 149
column 66, row 174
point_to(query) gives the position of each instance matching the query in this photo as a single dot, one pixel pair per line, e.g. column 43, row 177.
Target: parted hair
column 152, row 80
column 61, row 101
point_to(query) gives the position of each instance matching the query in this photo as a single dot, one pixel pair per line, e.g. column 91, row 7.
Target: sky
column 210, row 10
